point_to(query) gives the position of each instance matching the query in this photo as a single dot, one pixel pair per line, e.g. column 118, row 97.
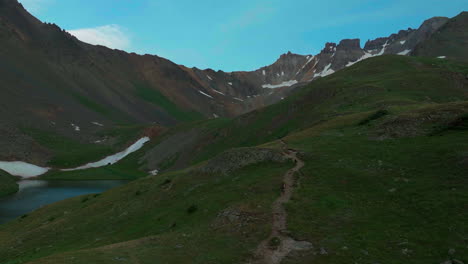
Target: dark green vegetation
column 68, row 152
column 196, row 218
column 8, row 184
column 155, row 97
column 385, row 146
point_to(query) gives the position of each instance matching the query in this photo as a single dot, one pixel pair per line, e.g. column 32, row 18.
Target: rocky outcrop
column 232, row 160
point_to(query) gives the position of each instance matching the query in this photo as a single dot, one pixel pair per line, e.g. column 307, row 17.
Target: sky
column 234, row 35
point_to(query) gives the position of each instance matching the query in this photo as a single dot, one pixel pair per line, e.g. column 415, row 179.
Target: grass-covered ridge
column 386, row 157
column 8, row 184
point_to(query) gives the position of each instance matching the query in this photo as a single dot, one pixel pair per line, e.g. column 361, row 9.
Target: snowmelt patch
column 114, row 158
column 283, row 84
column 22, row 169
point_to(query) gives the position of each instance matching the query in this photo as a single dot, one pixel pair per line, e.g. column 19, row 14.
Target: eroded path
column 279, row 244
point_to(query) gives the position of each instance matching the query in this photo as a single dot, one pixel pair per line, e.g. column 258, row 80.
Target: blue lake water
column 34, row 194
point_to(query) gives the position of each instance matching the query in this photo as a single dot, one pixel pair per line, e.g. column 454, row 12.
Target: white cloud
column 35, row 6
column 111, row 36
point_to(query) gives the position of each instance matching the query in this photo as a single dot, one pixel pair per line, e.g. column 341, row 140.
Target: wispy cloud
column 250, row 17
column 36, row 6
column 111, row 36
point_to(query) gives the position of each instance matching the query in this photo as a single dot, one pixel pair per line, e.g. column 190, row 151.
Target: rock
column 349, row 44
column 323, row 251
column 330, row 48
column 302, row 245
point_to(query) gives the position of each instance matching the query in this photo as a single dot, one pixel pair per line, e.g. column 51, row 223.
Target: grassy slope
column 376, row 83
column 156, row 207
column 8, row 184
column 396, row 200
column 365, row 195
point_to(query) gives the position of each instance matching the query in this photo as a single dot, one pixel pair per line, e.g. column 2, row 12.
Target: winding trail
column 279, row 244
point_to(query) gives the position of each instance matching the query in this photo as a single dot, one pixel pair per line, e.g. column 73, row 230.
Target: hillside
column 83, row 94
column 450, row 41
column 384, row 148
column 8, row 184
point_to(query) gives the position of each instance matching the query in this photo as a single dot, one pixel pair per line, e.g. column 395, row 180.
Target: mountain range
column 63, row 83
column 353, row 155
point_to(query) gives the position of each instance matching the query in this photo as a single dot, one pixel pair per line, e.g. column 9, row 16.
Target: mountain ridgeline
column 353, row 155
column 63, row 84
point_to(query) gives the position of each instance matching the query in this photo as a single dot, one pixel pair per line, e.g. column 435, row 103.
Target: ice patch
column 405, row 52
column 402, row 42
column 205, row 94
column 22, row 169
column 114, row 158
column 283, row 84
column 442, row 57
column 97, row 124
column 216, row 91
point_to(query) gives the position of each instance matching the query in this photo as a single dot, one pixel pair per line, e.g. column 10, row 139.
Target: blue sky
column 234, row 35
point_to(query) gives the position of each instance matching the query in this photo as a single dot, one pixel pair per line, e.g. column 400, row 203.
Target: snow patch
column 77, row 128
column 22, row 169
column 97, row 124
column 215, row 115
column 405, row 52
column 326, row 71
column 283, row 84
column 209, row 77
column 230, row 83
column 207, row 95
column 442, row 57
column 368, row 55
column 238, row 99
column 309, row 59
column 113, row 158
column 263, row 72
column 402, row 42
column 154, row 172
column 216, row 91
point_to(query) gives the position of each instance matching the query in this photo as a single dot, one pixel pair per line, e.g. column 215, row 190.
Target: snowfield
column 22, row 169
column 114, row 158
